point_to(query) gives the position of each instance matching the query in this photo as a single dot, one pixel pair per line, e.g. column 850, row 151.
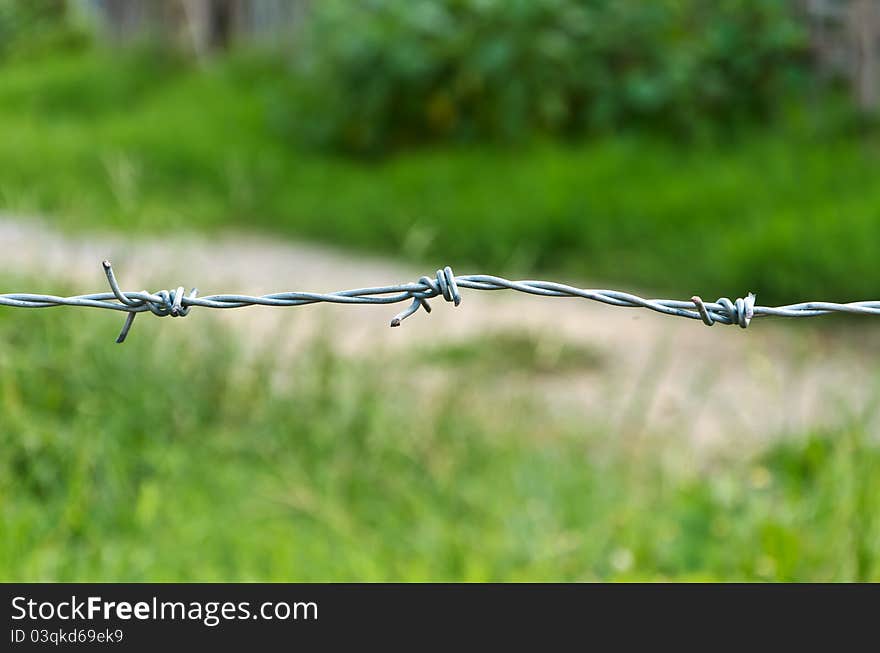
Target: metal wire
column 177, row 303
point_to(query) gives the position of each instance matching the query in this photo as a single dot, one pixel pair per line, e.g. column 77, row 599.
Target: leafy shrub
column 36, row 26
column 378, row 74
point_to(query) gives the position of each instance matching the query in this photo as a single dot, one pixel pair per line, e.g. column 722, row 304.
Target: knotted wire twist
column 161, row 304
column 444, row 284
column 739, row 312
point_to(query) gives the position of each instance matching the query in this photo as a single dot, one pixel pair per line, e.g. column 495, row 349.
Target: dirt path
column 660, row 374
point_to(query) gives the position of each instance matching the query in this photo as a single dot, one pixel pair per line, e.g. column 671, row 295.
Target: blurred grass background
column 666, row 146
column 121, row 464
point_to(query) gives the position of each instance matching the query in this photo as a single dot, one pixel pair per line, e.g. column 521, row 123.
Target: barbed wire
column 178, row 303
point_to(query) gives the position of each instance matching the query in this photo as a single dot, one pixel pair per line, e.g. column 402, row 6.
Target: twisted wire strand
column 445, row 284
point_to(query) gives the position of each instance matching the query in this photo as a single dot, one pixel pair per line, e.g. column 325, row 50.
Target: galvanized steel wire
column 445, row 284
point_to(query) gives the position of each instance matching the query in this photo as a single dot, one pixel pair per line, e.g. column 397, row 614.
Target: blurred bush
column 380, row 74
column 30, row 27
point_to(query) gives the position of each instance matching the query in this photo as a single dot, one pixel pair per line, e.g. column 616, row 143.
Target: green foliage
column 503, row 352
column 177, row 457
column 791, row 213
column 379, row 74
column 34, row 27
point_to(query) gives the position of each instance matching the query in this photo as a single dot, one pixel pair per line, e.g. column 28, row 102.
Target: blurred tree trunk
column 865, row 25
column 202, row 26
column 210, row 23
column 199, row 25
column 129, row 19
column 846, row 43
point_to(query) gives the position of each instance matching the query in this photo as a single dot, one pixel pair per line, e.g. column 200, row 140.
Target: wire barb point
column 126, row 327
column 701, row 309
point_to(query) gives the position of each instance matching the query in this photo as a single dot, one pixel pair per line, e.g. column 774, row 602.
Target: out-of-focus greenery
column 146, row 142
column 174, row 457
column 503, row 352
column 34, row 27
column 179, row 457
column 379, row 74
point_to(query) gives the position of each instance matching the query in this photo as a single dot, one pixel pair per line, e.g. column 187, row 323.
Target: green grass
column 175, row 457
column 138, row 143
column 503, row 352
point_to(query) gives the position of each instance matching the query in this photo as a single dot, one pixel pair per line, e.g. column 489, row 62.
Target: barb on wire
column 178, row 303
